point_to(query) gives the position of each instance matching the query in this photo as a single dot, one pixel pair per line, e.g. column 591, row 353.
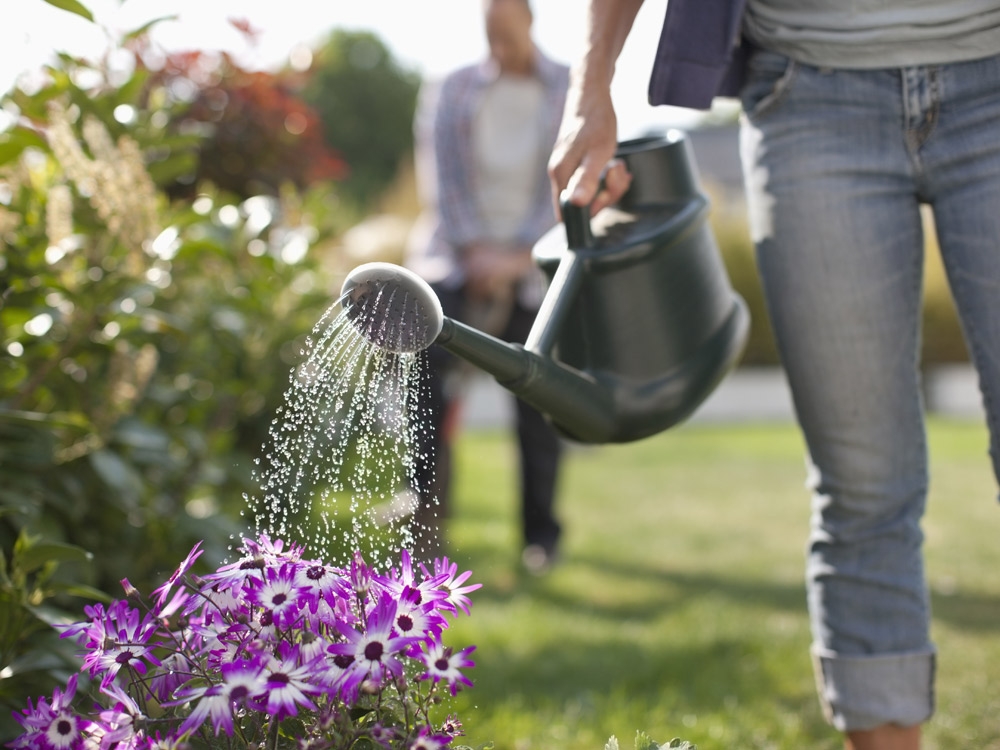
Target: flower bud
column 131, row 592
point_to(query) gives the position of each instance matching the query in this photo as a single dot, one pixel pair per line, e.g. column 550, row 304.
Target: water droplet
column 342, row 445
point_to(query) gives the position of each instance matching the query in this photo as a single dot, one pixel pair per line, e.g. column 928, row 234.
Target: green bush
column 733, row 238
column 144, row 349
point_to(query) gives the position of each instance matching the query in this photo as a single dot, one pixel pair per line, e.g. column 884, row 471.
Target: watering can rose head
column 273, row 650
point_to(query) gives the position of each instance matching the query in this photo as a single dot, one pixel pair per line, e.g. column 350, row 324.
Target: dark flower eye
column 254, row 563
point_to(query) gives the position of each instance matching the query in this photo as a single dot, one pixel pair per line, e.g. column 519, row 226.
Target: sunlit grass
column 678, row 608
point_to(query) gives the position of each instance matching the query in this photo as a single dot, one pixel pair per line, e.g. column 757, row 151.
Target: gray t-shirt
column 876, row 33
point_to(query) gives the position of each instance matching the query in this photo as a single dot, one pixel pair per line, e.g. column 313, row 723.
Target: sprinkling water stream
column 341, row 455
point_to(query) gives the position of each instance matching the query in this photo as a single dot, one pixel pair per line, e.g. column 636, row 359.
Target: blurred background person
column 483, row 137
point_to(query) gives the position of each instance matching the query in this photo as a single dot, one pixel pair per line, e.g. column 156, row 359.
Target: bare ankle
column 885, row 737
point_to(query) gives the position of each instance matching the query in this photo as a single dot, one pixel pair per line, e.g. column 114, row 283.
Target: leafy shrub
column 256, row 133
column 144, row 347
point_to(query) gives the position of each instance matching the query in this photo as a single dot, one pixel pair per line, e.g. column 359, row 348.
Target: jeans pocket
column 769, row 78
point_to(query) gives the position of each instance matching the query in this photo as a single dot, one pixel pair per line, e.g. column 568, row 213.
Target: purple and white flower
column 444, row 665
column 273, row 642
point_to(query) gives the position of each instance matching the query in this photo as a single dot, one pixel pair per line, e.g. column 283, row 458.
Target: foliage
column 144, row 343
column 256, row 134
column 273, row 650
column 29, row 582
column 73, row 6
column 733, row 238
column 366, row 102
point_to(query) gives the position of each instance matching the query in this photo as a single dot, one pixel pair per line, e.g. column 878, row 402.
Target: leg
column 431, row 471
column 836, row 223
column 886, row 737
column 540, row 450
column 962, row 163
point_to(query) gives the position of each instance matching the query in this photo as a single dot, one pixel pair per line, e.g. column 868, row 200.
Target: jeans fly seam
column 920, row 116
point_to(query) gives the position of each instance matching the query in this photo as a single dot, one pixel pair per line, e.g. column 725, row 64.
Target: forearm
column 587, row 136
column 608, row 25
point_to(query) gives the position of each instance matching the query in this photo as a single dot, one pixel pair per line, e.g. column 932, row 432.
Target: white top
column 876, row 33
column 509, row 140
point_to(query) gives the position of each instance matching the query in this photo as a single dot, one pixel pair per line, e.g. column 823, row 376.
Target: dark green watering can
column 639, row 324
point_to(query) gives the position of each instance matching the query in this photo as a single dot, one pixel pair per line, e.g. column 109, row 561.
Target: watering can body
column 639, row 324
column 637, row 328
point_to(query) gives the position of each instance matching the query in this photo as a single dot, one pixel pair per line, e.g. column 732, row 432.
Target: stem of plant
column 272, row 736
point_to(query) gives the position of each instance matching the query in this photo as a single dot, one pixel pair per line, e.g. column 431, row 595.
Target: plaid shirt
column 446, row 167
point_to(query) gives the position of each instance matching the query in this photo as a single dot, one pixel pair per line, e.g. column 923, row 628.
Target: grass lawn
column 678, row 608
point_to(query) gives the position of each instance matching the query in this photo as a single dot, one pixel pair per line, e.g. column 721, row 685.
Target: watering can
column 639, row 323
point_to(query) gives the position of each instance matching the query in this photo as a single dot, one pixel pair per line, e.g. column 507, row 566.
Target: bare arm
column 589, row 131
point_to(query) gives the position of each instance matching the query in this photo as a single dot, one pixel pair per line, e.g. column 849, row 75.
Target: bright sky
column 431, row 36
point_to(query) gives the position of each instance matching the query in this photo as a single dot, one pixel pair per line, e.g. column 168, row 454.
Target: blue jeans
column 837, row 164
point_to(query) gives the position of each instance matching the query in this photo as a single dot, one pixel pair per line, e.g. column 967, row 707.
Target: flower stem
column 272, row 736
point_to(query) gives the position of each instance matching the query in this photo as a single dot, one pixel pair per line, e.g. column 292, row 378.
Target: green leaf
column 177, row 165
column 15, row 141
column 642, row 742
column 147, row 26
column 38, row 660
column 120, row 476
column 33, row 555
column 54, row 419
column 81, row 590
column 131, row 91
column 140, row 436
column 73, row 6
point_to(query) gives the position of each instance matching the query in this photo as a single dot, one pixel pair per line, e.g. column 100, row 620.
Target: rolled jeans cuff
column 864, row 692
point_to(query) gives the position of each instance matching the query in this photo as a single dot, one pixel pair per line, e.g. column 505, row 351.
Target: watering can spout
column 398, row 311
column 575, row 402
column 637, row 328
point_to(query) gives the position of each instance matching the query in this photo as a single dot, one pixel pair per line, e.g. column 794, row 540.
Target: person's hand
column 492, row 269
column 582, row 162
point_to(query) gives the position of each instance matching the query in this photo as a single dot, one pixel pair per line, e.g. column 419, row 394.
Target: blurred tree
column 365, row 101
column 254, row 134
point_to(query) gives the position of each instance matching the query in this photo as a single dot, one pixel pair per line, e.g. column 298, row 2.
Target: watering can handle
column 565, row 281
column 577, row 222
